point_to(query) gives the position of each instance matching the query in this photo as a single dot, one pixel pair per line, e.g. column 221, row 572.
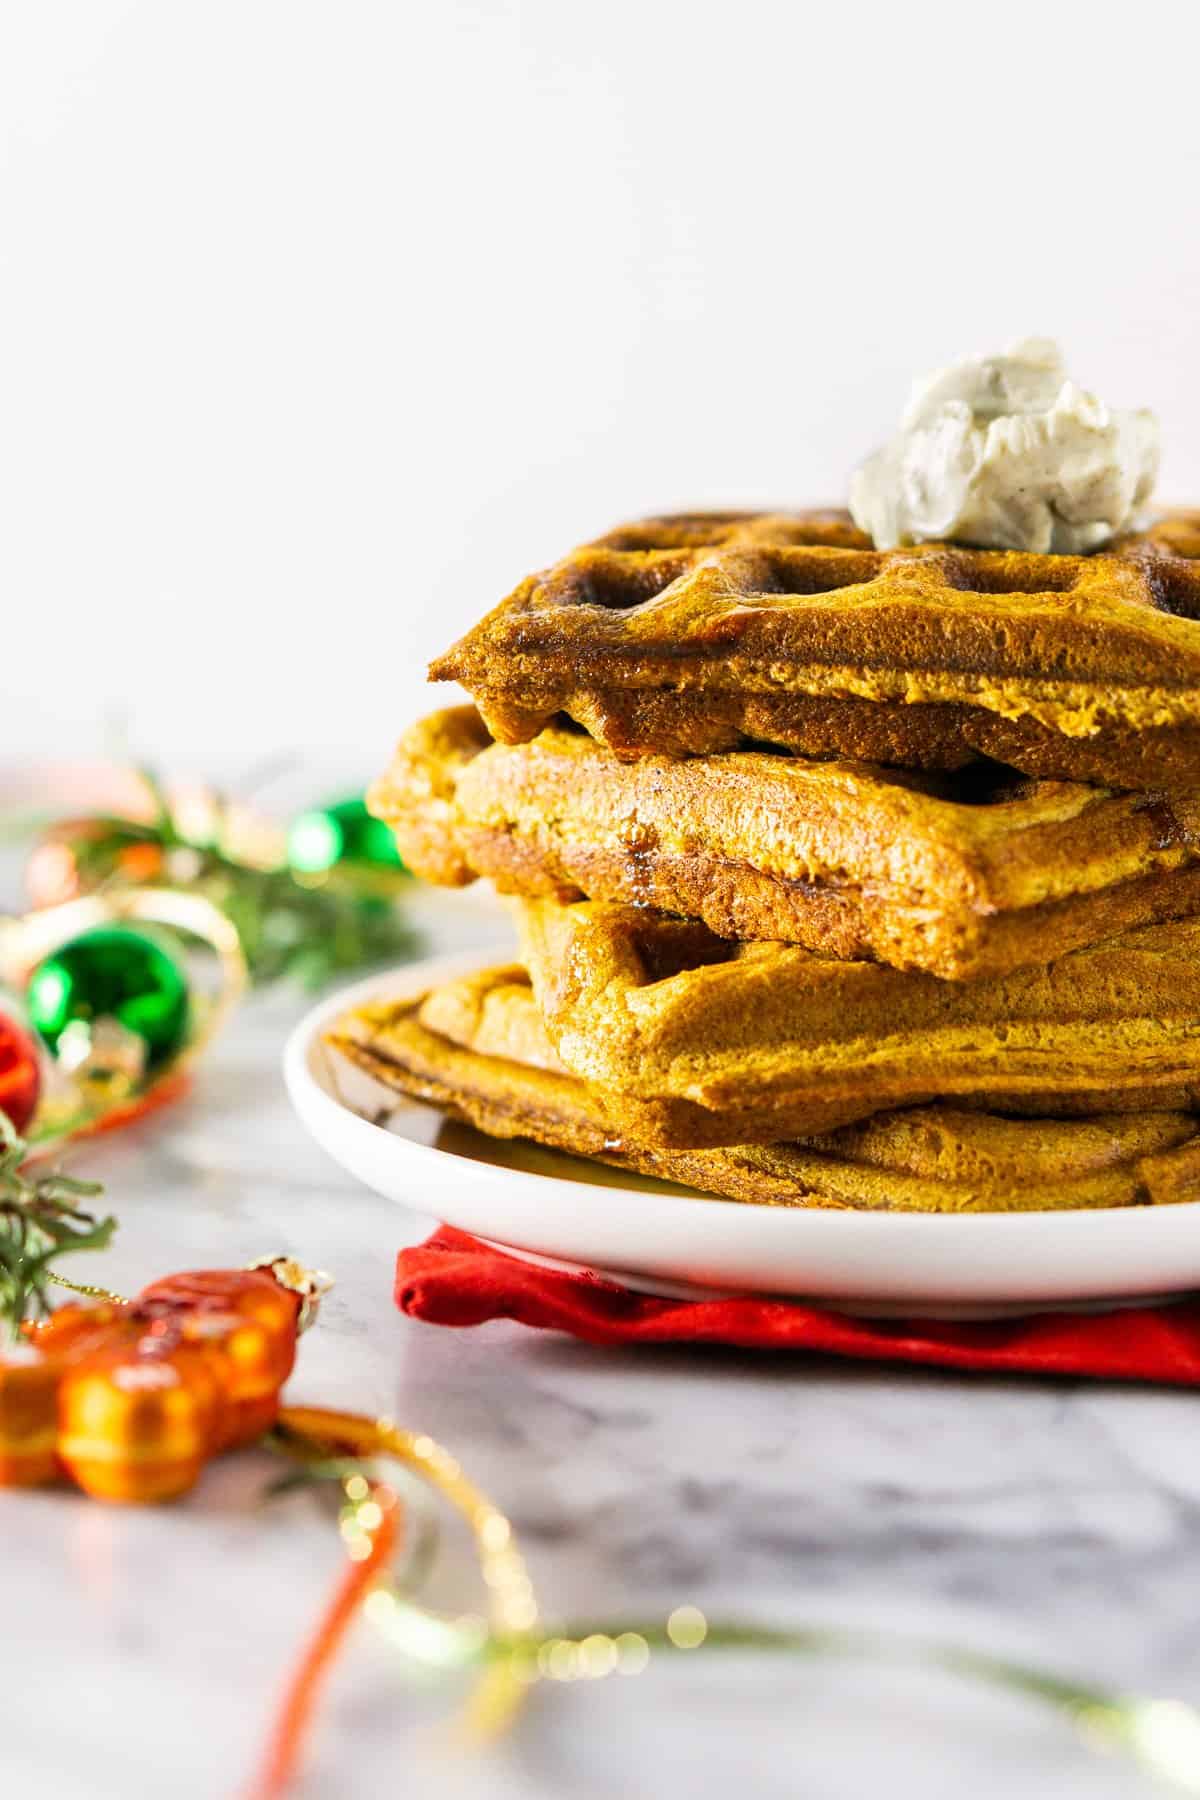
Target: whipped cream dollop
column 1006, row 451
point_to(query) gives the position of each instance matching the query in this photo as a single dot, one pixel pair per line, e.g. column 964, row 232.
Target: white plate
column 651, row 1235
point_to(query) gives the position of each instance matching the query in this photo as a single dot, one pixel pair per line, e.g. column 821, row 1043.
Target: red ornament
column 20, row 1073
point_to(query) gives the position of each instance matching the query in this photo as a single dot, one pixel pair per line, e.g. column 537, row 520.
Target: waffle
column 959, row 875
column 703, row 632
column 478, row 1049
column 690, row 1040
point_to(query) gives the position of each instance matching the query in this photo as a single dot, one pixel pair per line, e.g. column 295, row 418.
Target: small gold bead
column 563, row 1661
column 597, row 1656
column 494, row 1531
column 633, row 1653
column 507, row 1567
column 687, row 1627
column 521, row 1615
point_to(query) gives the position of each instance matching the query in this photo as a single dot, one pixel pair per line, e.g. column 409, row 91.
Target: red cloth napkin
column 453, row 1279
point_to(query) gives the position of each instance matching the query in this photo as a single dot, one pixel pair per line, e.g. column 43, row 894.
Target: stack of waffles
column 845, row 878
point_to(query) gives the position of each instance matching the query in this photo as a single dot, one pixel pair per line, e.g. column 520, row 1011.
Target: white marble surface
column 141, row 1650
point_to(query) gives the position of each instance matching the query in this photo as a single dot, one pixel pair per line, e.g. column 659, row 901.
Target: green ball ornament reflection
column 343, row 833
column 112, row 973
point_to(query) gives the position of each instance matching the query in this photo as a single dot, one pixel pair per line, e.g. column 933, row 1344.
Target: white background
column 322, row 323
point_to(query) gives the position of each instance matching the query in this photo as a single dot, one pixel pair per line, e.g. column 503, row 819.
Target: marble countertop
column 1051, row 1520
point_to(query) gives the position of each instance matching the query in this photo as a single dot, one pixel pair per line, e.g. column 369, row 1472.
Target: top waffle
column 704, row 631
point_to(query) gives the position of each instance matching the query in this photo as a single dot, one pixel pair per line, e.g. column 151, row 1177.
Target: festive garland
column 307, row 901
column 146, row 927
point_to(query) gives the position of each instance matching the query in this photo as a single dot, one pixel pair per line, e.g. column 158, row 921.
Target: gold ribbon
column 512, row 1608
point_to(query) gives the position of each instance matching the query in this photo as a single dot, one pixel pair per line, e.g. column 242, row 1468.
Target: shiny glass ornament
column 28, row 1416
column 20, row 1075
column 147, row 1390
column 247, row 1323
column 75, row 1330
column 112, row 972
column 138, row 1423
column 103, row 1055
column 326, row 837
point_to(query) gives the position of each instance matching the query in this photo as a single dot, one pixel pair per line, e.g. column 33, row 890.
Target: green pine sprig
column 40, row 1221
column 292, row 931
column 290, row 927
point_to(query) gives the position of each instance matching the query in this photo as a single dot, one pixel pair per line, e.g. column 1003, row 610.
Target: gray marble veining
column 1055, row 1521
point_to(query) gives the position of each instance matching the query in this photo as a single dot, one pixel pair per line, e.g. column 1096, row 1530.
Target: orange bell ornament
column 251, row 1362
column 28, row 1416
column 130, row 1398
column 137, row 1422
column 252, row 1293
column 247, row 1322
column 75, row 1330
column 30, row 1375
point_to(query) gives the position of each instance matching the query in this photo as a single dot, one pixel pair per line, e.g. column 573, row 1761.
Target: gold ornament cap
column 311, row 1284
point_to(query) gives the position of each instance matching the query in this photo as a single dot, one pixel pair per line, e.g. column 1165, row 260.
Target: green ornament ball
column 344, row 832
column 112, row 972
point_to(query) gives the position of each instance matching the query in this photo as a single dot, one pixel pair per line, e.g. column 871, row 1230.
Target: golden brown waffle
column 704, row 632
column 690, row 1040
column 953, row 874
column 467, row 1048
